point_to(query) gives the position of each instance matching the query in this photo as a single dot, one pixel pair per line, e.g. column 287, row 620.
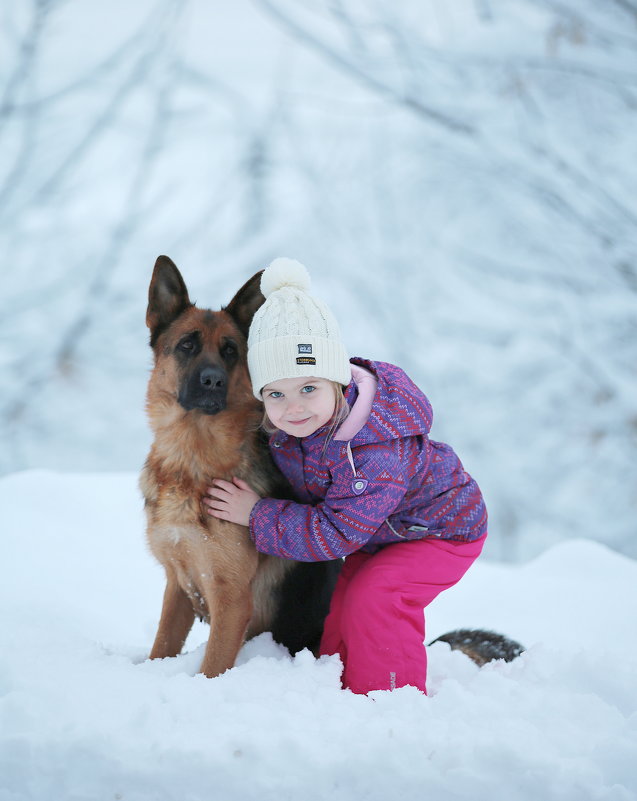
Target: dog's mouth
column 212, row 408
column 205, row 405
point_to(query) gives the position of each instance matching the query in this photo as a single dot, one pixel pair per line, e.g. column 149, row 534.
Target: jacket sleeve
column 354, row 508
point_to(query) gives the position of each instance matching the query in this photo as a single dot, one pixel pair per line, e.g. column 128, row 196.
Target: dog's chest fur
column 199, row 549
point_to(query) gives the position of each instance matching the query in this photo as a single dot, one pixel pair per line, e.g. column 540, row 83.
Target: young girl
column 351, row 437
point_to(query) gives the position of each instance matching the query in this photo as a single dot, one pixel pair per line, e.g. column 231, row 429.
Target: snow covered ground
column 84, row 716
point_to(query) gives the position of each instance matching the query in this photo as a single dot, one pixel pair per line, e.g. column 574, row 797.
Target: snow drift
column 84, row 715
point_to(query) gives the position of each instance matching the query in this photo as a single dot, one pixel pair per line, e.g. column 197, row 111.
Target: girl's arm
column 353, row 510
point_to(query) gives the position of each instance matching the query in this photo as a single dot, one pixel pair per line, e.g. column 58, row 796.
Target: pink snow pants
column 376, row 621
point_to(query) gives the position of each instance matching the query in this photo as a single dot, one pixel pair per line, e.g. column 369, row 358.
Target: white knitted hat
column 293, row 334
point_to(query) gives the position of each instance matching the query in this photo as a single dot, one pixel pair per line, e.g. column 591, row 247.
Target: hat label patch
column 305, row 360
column 305, row 349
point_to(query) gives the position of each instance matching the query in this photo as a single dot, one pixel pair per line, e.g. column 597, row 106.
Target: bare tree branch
column 24, row 64
column 410, row 101
column 71, row 337
column 628, row 6
column 23, row 76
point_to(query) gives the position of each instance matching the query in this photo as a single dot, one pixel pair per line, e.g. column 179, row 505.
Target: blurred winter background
column 459, row 177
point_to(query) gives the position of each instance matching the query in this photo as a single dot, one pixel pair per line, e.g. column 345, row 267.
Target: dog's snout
column 212, row 378
column 205, row 389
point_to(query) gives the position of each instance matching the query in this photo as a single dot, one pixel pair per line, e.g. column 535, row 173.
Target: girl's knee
column 367, row 600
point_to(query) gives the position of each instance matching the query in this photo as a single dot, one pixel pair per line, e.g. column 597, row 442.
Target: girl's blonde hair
column 341, row 410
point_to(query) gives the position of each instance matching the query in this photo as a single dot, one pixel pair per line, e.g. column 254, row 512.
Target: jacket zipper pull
column 351, row 457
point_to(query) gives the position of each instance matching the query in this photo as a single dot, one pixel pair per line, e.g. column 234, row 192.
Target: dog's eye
column 228, row 351
column 187, row 345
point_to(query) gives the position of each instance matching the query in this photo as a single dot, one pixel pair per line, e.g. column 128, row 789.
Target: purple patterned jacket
column 379, row 480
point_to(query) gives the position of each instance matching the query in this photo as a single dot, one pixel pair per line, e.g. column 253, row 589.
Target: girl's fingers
column 221, row 489
column 218, row 492
column 221, row 484
column 215, row 503
column 216, row 511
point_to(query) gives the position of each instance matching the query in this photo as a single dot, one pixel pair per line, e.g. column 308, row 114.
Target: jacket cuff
column 252, row 521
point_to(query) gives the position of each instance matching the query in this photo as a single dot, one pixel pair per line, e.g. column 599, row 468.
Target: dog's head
column 200, row 355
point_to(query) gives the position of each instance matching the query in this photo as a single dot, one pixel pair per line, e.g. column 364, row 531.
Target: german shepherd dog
column 205, row 421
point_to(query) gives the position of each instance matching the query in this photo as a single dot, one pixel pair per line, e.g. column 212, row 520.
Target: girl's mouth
column 298, row 422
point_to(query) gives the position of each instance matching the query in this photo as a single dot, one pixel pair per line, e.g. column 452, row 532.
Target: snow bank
column 83, row 715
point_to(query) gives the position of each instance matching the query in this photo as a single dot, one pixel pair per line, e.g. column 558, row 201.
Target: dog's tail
column 481, row 646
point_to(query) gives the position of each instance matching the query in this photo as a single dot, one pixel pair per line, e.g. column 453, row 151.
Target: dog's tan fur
column 212, row 568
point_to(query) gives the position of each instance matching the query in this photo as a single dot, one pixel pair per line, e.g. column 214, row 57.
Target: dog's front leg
column 177, row 617
column 230, row 612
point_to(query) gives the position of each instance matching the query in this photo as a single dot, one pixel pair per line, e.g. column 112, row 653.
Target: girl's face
column 299, row 406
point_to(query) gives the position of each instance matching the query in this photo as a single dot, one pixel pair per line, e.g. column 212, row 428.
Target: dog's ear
column 244, row 304
column 167, row 297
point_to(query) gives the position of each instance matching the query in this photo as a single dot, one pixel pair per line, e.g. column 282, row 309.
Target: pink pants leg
column 376, row 621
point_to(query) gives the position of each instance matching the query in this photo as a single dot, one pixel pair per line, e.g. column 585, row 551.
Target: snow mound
column 84, row 715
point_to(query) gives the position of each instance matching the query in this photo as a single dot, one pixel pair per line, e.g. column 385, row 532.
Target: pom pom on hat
column 284, row 272
column 293, row 334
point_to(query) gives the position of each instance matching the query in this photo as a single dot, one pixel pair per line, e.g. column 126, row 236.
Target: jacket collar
column 398, row 408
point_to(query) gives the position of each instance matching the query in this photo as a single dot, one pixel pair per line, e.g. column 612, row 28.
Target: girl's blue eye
column 307, row 389
column 275, row 394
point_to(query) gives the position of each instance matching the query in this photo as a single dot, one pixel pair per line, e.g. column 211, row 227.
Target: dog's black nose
column 212, row 378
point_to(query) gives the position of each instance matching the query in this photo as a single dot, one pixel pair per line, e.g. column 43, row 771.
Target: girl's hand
column 231, row 501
